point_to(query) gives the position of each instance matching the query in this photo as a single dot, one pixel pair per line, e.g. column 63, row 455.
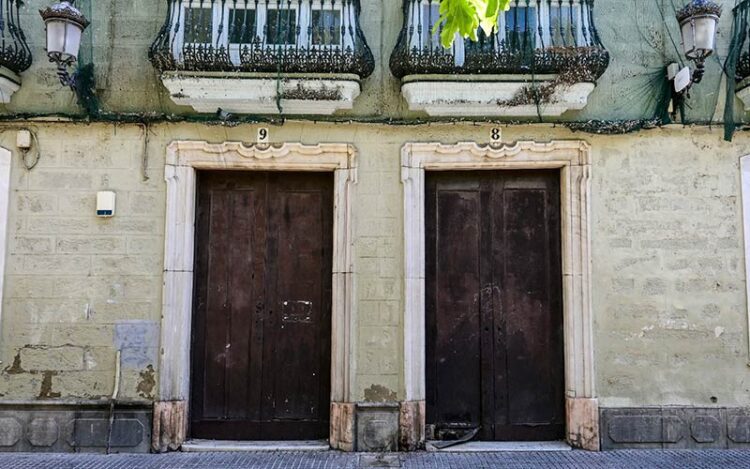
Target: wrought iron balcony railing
column 14, row 52
column 286, row 36
column 740, row 45
column 534, row 36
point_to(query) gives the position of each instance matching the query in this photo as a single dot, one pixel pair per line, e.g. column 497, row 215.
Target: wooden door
column 261, row 349
column 494, row 305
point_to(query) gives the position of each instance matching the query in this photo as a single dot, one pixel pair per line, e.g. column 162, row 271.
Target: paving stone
column 663, row 459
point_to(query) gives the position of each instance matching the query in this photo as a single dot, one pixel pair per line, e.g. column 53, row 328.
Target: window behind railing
column 532, row 36
column 320, row 36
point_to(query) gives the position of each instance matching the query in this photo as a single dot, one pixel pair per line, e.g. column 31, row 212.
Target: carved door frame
column 572, row 158
column 184, row 158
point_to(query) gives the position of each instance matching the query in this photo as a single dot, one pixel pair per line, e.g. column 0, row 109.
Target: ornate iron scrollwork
column 284, row 36
column 534, row 36
column 14, row 51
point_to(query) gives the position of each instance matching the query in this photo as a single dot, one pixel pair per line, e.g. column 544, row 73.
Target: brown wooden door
column 494, row 305
column 261, row 349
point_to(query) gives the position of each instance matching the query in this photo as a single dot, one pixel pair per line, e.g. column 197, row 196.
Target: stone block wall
column 79, row 287
column 669, row 279
column 668, row 276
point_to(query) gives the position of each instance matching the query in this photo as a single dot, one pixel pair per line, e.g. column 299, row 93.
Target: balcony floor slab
column 247, row 93
column 486, row 97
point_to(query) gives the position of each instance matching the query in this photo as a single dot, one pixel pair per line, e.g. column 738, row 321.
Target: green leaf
column 465, row 17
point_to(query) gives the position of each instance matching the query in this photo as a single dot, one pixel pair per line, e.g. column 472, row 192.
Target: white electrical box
column 682, row 79
column 23, row 139
column 672, row 70
column 105, row 204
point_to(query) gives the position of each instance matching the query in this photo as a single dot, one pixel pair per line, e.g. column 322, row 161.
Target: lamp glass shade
column 699, row 36
column 63, row 39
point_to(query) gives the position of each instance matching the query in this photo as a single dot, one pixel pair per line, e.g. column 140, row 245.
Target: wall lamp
column 698, row 24
column 65, row 25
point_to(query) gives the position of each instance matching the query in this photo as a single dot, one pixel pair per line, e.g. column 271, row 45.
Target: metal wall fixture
column 15, row 55
column 534, row 36
column 64, row 26
column 272, row 36
column 698, row 25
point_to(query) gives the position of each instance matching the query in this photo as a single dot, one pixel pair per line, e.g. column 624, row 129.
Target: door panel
column 493, row 304
column 455, row 304
column 261, row 326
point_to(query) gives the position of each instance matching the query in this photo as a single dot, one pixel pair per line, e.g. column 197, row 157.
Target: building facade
column 327, row 227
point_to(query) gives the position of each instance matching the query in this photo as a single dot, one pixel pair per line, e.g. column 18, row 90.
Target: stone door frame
column 572, row 157
column 5, row 163
column 183, row 159
column 745, row 193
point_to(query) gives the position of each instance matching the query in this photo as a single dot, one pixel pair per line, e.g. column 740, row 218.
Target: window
column 423, row 18
column 198, row 24
column 242, row 23
column 521, row 27
column 281, row 26
column 326, row 28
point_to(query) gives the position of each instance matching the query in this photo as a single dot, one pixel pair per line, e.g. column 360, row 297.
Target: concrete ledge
column 487, row 98
column 240, row 446
column 250, row 94
column 493, row 446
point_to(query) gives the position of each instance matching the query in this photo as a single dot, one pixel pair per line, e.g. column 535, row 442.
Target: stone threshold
column 194, row 446
column 501, row 446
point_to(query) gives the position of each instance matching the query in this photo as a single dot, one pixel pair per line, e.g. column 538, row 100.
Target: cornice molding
column 470, row 155
column 235, row 155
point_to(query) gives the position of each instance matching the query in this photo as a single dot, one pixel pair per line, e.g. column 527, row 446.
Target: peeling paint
column 378, row 393
column 147, row 383
column 15, row 368
column 46, row 390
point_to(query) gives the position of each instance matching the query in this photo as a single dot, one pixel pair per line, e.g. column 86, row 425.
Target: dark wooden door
column 494, row 305
column 261, row 349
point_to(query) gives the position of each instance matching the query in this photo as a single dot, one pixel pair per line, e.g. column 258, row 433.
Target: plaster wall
column 668, row 275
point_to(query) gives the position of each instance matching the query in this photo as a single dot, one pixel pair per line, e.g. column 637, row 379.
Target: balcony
column 15, row 55
column 543, row 60
column 263, row 56
column 741, row 47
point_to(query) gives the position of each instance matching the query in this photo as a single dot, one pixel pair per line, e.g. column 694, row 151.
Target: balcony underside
column 259, row 93
column 10, row 82
column 743, row 92
column 494, row 95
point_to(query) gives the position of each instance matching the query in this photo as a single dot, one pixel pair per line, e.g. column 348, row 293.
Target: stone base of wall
column 411, row 426
column 368, row 427
column 675, row 427
column 377, row 426
column 72, row 428
column 170, row 426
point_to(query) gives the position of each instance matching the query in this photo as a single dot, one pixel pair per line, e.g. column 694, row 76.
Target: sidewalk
column 679, row 459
